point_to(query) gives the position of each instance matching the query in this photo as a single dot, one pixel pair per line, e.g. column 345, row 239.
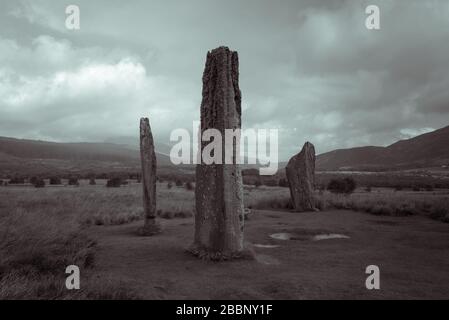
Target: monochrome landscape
column 94, row 205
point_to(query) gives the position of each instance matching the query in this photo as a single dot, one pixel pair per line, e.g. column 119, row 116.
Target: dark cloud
column 309, row 68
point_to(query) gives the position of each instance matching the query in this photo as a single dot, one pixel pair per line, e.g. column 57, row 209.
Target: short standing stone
column 219, row 192
column 300, row 172
column 148, row 160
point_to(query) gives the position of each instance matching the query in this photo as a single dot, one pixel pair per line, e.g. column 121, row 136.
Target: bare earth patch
column 410, row 255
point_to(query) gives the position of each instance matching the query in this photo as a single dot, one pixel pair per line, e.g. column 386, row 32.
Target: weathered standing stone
column 300, row 172
column 219, row 193
column 148, row 160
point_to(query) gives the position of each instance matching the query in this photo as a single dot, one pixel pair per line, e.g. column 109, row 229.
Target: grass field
column 378, row 201
column 44, row 230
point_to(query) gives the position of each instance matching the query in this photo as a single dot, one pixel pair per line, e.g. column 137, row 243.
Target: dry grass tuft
column 389, row 204
column 42, row 231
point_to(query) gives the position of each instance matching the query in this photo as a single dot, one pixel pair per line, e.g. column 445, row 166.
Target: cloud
column 410, row 133
column 78, row 97
column 34, row 12
column 309, row 68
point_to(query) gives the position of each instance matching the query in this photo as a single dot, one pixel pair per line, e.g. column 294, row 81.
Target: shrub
column 39, row 183
column 167, row 215
column 438, row 213
column 257, row 183
column 17, row 180
column 55, row 180
column 117, row 218
column 189, row 186
column 102, row 176
column 73, row 181
column 178, row 183
column 183, row 214
column 381, row 210
column 169, row 185
column 273, row 203
column 283, row 183
column 114, row 182
column 445, row 218
column 350, row 185
column 345, row 185
column 416, row 188
column 92, row 181
column 368, row 189
column 176, row 213
column 33, row 180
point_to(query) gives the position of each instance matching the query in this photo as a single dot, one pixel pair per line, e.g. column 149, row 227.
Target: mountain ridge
column 425, row 150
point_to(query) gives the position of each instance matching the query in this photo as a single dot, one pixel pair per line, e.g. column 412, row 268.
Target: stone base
column 205, row 254
column 149, row 230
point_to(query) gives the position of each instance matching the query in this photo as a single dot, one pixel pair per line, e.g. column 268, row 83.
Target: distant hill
column 133, row 143
column 426, row 150
column 32, row 156
column 35, row 149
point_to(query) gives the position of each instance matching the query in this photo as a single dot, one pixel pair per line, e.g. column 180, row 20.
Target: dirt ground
column 411, row 252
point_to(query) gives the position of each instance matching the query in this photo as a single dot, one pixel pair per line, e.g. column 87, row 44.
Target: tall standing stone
column 300, row 172
column 148, row 160
column 219, row 192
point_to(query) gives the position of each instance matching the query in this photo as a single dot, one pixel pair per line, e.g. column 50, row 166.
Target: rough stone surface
column 219, row 192
column 148, row 160
column 300, row 172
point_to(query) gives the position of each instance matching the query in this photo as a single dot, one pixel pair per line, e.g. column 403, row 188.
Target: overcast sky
column 309, row 68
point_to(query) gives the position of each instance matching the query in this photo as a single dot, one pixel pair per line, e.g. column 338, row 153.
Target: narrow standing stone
column 219, row 194
column 148, row 160
column 300, row 172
